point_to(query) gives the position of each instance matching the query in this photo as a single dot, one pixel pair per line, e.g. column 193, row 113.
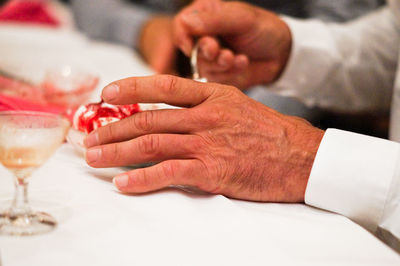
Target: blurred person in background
column 146, row 26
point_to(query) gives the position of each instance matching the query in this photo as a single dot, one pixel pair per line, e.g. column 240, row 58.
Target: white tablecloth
column 99, row 226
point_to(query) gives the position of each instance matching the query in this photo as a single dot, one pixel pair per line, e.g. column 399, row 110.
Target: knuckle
column 231, row 91
column 300, row 120
column 112, row 153
column 210, row 116
column 207, row 181
column 149, row 144
column 216, row 174
column 204, row 117
column 144, row 121
column 145, row 180
column 169, row 169
column 232, row 95
column 141, row 179
column 225, row 92
column 134, row 87
column 198, row 146
column 109, row 132
column 167, row 83
column 215, row 117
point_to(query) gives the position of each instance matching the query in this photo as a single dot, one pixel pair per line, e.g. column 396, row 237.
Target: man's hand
column 258, row 42
column 223, row 142
column 156, row 44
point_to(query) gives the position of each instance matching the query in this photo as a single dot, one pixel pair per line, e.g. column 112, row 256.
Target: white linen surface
column 99, row 226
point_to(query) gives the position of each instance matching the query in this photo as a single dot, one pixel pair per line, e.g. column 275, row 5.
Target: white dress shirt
column 352, row 67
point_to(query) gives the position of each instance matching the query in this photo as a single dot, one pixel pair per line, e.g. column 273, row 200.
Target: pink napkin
column 21, row 90
column 28, row 11
column 15, row 95
column 10, row 103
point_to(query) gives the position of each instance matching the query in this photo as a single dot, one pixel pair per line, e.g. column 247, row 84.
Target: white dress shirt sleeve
column 346, row 67
column 359, row 177
column 350, row 67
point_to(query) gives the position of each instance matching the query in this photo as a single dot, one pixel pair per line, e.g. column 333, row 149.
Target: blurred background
column 145, row 28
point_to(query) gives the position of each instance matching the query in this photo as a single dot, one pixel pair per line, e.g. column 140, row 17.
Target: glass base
column 25, row 225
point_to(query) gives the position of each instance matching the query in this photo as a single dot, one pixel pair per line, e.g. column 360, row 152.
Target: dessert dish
column 91, row 116
column 94, row 115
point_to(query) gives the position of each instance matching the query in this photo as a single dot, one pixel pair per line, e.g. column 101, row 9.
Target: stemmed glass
column 27, row 140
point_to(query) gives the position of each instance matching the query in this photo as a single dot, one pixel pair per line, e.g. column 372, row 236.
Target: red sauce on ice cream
column 92, row 116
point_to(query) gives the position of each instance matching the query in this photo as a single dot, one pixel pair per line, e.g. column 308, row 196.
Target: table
column 100, row 226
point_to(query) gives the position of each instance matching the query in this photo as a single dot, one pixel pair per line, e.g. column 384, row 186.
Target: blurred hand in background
column 156, row 44
column 258, row 41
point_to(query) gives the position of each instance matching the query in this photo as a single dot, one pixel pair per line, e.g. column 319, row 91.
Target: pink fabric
column 21, row 90
column 15, row 95
column 10, row 103
column 28, row 11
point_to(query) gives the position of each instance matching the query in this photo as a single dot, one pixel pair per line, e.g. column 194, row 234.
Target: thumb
column 213, row 18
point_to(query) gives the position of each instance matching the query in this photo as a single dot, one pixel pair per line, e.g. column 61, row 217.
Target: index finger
column 158, row 89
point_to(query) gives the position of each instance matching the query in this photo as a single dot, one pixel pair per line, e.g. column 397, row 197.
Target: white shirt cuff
column 309, row 62
column 351, row 175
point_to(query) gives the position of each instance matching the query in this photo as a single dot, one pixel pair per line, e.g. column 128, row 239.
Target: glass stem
column 20, row 205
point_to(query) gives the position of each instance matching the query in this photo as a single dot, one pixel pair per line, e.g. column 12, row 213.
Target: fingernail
column 110, row 92
column 121, row 181
column 93, row 155
column 92, row 140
